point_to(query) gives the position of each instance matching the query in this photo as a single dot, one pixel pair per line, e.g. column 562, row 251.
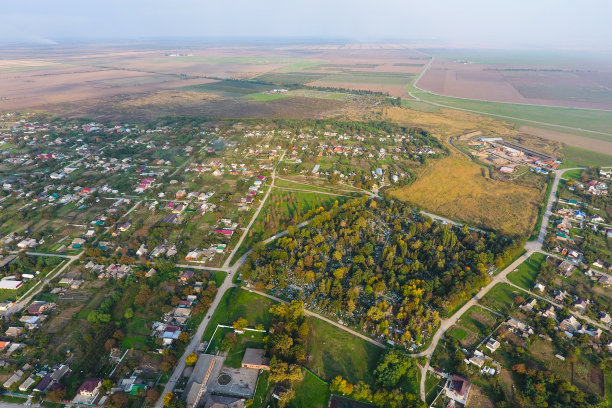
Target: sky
column 559, row 24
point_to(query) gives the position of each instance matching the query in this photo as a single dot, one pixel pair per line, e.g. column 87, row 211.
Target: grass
column 311, row 392
column 290, row 78
column 264, row 387
column 230, row 87
column 12, row 399
column 527, row 272
column 608, row 387
column 432, row 387
column 597, row 121
column 458, row 333
column 238, row 303
column 501, row 298
column 220, row 277
column 577, row 157
column 264, row 97
column 455, row 187
column 336, row 352
column 280, row 210
column 366, row 77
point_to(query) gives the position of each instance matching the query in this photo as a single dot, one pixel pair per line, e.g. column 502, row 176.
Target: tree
column 119, row 400
column 240, row 324
column 152, row 396
column 183, row 337
column 392, row 367
column 285, row 397
column 281, row 371
column 143, row 296
column 191, row 359
column 342, row 386
column 57, row 394
column 129, row 313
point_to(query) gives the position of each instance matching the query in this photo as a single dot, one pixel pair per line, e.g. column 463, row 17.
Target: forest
column 381, row 266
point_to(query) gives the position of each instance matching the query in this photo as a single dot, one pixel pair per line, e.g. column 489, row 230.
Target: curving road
column 531, row 247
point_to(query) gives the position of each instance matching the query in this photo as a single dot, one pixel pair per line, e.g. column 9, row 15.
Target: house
column 14, row 331
column 603, row 317
column 226, row 232
column 567, row 267
column 570, row 325
column 540, row 287
column 458, row 388
column 528, row 306
column 186, row 275
column 43, row 384
column 492, row 345
column 90, row 387
column 549, row 312
column 582, row 304
column 10, row 283
column 254, row 358
column 477, row 361
column 39, row 306
column 4, row 345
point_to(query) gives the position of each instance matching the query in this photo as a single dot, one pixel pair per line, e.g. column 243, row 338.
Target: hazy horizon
column 470, row 24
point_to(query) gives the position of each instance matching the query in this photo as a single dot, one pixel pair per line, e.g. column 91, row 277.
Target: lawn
column 527, row 272
column 501, row 297
column 240, row 303
column 264, row 387
column 433, row 385
column 457, row 333
column 336, row 352
column 311, row 392
column 248, row 339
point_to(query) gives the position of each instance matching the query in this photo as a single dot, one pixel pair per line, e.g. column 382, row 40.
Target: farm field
column 581, row 119
column 545, row 83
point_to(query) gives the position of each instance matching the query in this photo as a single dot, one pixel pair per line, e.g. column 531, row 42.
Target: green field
column 457, row 333
column 230, row 87
column 264, row 97
column 264, row 387
column 366, row 77
column 501, row 297
column 527, row 272
column 290, row 78
column 311, row 392
column 577, row 157
column 597, row 121
column 240, row 303
column 336, row 352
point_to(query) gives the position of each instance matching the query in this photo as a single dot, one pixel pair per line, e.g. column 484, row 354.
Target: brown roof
column 89, row 385
column 459, row 385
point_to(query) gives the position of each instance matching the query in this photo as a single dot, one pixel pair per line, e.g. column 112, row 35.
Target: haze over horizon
column 473, row 23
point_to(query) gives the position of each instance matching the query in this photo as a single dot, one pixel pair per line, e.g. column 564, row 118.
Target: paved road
column 261, row 205
column 531, row 247
column 446, row 324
